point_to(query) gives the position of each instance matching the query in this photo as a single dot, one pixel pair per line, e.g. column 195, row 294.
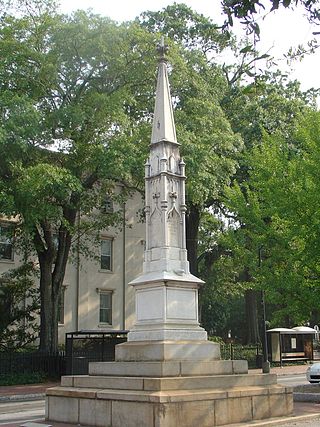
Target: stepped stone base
column 167, row 394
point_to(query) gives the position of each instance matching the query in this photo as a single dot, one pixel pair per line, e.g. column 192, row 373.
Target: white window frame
column 110, row 240
column 108, row 310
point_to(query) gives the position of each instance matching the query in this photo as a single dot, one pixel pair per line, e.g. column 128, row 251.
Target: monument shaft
column 166, row 292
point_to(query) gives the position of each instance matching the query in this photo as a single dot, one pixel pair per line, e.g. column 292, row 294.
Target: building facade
column 95, row 293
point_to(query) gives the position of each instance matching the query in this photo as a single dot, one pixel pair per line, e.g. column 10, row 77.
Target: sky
column 280, row 30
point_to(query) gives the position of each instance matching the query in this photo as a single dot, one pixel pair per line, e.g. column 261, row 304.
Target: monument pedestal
column 167, row 384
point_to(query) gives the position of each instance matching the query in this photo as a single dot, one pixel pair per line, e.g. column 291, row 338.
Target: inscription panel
column 148, row 304
column 182, row 304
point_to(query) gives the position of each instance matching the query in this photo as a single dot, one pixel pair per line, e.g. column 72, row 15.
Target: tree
column 278, row 210
column 66, row 87
column 229, row 259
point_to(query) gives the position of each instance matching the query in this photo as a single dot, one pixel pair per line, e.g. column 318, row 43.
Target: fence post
column 103, row 344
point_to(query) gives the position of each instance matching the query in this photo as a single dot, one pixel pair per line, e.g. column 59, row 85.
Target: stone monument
column 167, row 374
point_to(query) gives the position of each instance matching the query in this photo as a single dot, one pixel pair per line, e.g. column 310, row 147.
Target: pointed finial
column 162, row 49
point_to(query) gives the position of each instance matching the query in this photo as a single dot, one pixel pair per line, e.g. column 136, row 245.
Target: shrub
column 22, row 378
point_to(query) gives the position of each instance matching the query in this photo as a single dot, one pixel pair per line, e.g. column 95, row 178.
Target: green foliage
column 236, row 229
column 239, row 352
column 183, row 25
column 216, row 339
column 22, row 378
column 41, row 192
column 66, row 134
column 279, row 239
column 19, row 308
column 272, row 104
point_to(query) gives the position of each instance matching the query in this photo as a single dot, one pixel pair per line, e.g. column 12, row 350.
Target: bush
column 239, row 352
column 215, row 338
column 22, row 378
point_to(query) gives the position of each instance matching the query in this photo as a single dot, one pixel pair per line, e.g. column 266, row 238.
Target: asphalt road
column 292, row 380
column 14, row 413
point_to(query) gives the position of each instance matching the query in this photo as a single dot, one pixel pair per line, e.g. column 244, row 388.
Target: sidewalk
column 24, row 392
column 285, row 370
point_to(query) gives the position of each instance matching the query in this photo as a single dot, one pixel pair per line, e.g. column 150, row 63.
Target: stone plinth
column 138, row 400
column 166, row 393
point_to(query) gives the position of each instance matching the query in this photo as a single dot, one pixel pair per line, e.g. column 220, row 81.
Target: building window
column 6, row 241
column 61, row 305
column 106, row 254
column 107, row 206
column 105, row 315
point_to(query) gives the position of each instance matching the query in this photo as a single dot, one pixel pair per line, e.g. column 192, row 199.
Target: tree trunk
column 252, row 319
column 192, row 226
column 49, row 308
column 53, row 262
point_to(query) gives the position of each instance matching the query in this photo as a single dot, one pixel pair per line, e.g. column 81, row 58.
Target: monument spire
column 166, row 268
column 163, row 128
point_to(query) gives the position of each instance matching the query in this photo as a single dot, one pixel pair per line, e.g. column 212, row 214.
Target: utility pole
column 265, row 363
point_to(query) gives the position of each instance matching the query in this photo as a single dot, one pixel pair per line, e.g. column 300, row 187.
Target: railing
column 83, row 347
column 22, row 363
column 81, row 351
column 253, row 353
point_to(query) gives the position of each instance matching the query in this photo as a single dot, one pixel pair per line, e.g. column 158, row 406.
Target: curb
column 306, row 397
column 22, row 397
column 280, row 421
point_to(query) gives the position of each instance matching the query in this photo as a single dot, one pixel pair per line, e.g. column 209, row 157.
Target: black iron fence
column 84, row 347
column 28, row 363
column 252, row 353
column 90, row 346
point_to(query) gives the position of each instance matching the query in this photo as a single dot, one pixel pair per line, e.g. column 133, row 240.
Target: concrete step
column 169, row 368
column 169, row 383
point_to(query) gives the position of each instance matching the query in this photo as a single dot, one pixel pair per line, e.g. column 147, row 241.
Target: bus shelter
column 294, row 344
